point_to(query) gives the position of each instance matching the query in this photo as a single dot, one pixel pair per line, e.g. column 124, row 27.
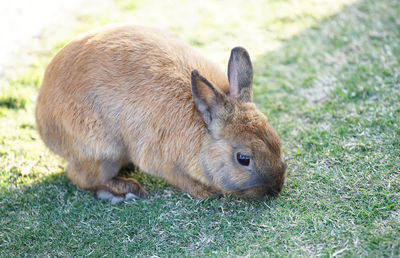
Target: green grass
column 327, row 74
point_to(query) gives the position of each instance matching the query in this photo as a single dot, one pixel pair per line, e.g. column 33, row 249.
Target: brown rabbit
column 135, row 94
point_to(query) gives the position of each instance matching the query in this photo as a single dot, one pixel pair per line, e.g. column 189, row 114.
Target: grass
column 327, row 74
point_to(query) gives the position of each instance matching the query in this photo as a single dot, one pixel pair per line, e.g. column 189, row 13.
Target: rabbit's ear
column 207, row 98
column 240, row 75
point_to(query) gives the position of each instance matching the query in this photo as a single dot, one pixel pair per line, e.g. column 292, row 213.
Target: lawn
column 327, row 74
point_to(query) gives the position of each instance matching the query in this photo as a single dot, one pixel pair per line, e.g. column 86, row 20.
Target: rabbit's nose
column 274, row 191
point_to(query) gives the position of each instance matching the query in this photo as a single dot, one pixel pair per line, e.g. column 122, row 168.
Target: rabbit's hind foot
column 119, row 189
column 106, row 195
column 101, row 178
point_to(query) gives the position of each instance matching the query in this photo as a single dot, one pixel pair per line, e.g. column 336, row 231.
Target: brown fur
column 122, row 94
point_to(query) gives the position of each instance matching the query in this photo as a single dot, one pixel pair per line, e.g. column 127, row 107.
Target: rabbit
column 133, row 94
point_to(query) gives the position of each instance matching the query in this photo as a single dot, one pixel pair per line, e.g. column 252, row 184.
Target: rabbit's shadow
column 55, row 203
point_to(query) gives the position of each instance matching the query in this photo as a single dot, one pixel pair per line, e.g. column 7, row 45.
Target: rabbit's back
column 123, row 93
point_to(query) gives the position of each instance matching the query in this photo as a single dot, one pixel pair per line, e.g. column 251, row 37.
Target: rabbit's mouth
column 270, row 186
column 260, row 192
column 255, row 188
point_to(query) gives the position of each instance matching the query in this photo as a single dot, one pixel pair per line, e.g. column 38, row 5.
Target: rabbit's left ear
column 208, row 99
column 240, row 75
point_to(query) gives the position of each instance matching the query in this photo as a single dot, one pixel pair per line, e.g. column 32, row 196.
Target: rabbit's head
column 243, row 154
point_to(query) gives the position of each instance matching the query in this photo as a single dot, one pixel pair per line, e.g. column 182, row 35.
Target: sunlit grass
column 216, row 26
column 327, row 74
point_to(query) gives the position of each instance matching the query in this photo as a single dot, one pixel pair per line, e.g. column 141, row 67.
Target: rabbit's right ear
column 207, row 98
column 240, row 75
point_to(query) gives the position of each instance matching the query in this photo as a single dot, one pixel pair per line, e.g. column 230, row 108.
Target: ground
column 327, row 75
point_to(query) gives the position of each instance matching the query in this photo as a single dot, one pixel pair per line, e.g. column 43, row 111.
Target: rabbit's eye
column 243, row 159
